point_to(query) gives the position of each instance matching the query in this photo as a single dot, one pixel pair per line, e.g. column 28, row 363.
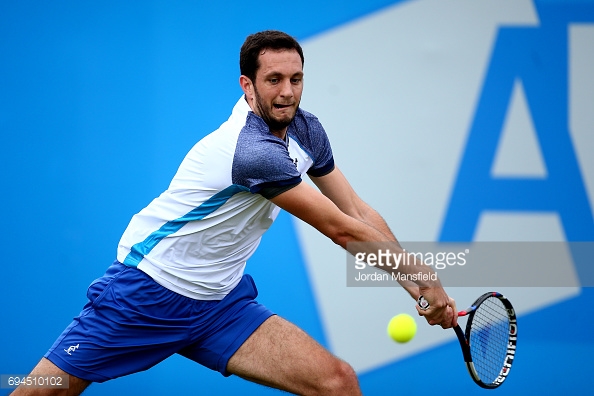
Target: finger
column 455, row 311
column 436, row 317
column 423, row 312
column 447, row 320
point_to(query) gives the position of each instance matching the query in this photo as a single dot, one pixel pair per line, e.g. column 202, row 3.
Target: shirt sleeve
column 270, row 192
column 312, row 136
column 261, row 161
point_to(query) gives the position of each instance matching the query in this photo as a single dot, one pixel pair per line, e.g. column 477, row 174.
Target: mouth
column 279, row 106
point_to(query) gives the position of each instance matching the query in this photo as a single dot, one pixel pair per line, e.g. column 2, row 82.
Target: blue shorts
column 132, row 323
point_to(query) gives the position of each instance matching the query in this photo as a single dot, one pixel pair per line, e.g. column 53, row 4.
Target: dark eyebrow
column 278, row 74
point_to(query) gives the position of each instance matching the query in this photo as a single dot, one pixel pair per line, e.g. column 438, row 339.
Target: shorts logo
column 71, row 349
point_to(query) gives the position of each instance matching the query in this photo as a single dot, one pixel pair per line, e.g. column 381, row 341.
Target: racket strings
column 489, row 336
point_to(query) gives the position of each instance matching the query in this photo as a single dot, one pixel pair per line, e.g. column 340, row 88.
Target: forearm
column 368, row 244
column 364, row 224
column 372, row 218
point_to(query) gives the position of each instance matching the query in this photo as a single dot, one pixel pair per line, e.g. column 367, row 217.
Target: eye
column 273, row 80
column 296, row 80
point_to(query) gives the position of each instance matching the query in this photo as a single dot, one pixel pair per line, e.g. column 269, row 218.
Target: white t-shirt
column 196, row 237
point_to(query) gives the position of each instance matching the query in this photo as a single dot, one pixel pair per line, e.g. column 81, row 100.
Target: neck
column 280, row 134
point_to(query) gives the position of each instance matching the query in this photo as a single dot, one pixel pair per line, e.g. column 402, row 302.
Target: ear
column 248, row 87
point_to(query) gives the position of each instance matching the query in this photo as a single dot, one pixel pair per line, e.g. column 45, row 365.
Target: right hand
column 442, row 309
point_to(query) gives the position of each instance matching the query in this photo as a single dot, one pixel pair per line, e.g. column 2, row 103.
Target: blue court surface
column 464, row 121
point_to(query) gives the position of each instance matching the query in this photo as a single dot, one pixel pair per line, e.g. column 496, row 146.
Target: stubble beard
column 273, row 123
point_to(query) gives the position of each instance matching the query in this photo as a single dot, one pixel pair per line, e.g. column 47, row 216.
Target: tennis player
column 178, row 284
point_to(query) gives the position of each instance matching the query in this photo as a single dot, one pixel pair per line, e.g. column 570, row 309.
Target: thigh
column 220, row 328
column 281, row 355
column 46, row 368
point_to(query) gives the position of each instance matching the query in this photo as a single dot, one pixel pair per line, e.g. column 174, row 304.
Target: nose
column 286, row 89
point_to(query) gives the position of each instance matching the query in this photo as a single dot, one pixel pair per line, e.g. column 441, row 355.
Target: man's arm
column 342, row 216
column 335, row 186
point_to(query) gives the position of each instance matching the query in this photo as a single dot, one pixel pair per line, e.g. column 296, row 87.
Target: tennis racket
column 489, row 342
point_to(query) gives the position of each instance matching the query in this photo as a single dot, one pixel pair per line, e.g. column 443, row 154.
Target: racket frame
column 465, row 340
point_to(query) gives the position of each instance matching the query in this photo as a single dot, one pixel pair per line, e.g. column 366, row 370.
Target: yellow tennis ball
column 402, row 328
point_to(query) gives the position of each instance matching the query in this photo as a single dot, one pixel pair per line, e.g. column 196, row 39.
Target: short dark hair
column 255, row 43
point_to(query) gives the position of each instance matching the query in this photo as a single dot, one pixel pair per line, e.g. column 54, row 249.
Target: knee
column 341, row 381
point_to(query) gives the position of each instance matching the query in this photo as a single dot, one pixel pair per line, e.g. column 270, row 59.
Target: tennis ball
column 402, row 328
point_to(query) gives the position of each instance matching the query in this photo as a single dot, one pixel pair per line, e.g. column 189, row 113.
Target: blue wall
column 99, row 102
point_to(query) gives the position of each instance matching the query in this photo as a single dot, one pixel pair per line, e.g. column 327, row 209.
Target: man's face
column 278, row 88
